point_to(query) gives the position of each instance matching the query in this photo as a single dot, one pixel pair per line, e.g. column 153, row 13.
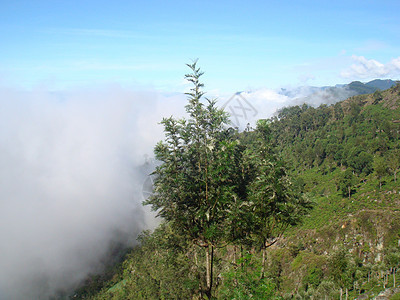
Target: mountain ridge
column 331, row 94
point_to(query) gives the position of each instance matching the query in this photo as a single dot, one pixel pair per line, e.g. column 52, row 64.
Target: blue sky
column 240, row 45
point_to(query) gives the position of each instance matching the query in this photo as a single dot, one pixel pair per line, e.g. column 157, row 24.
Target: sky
column 240, row 45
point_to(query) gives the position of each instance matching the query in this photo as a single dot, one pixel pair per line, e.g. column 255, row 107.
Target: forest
column 306, row 205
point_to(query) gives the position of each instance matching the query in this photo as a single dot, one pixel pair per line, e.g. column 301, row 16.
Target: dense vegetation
column 237, row 239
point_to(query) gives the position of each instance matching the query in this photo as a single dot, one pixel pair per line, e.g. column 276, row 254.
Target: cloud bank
column 71, row 181
column 245, row 108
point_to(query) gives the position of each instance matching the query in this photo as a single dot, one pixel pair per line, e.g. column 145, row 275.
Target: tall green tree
column 380, row 168
column 194, row 190
column 347, row 182
column 273, row 202
column 393, row 162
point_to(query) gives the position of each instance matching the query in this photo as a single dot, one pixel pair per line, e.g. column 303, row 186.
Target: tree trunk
column 241, row 257
column 209, row 269
column 384, row 281
column 349, row 192
column 195, row 259
column 394, row 277
column 234, row 254
column 264, row 256
column 341, row 293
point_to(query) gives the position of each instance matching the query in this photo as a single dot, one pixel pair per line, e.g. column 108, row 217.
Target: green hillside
column 345, row 158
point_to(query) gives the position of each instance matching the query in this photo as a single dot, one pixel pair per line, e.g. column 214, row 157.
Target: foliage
column 393, row 162
column 313, row 278
column 380, row 168
column 274, row 203
column 347, row 182
column 243, row 281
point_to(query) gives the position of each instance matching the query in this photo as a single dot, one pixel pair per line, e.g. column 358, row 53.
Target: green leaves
column 244, row 282
column 272, row 201
column 347, row 182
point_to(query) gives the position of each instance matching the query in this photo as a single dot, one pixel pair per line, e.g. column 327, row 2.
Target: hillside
column 356, row 213
column 345, row 157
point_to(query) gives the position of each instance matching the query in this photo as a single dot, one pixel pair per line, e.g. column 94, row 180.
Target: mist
column 246, row 107
column 71, row 181
column 317, row 96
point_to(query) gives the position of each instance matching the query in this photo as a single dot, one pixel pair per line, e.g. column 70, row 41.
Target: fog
column 246, row 107
column 317, row 96
column 71, row 181
column 72, row 174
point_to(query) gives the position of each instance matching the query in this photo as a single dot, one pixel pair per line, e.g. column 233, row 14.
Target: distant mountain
column 370, row 87
column 381, row 84
column 360, row 88
column 316, row 96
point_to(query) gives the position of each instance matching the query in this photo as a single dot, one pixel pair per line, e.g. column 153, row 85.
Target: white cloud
column 363, row 68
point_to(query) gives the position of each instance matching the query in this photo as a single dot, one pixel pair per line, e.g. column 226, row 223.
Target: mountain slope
column 355, row 224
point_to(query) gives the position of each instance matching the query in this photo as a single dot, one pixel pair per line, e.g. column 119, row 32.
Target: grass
column 395, row 297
